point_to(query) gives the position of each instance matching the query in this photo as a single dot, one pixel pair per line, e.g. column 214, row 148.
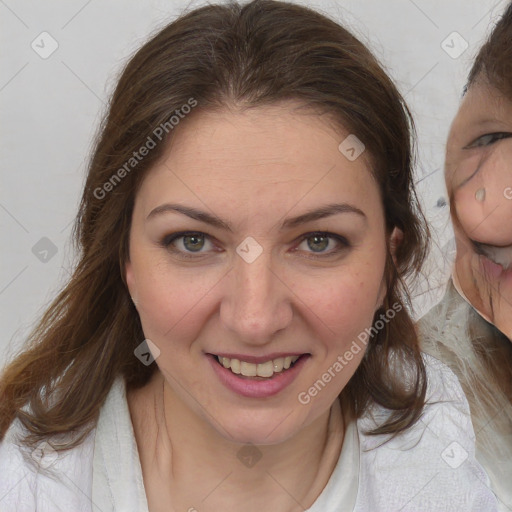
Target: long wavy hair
column 260, row 53
column 478, row 353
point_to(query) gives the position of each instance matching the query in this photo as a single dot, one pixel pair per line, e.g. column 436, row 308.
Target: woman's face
column 479, row 178
column 226, row 262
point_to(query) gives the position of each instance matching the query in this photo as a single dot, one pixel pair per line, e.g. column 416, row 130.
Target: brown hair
column 494, row 60
column 259, row 53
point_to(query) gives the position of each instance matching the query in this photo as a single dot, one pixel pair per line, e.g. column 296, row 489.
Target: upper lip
column 481, row 247
column 259, row 359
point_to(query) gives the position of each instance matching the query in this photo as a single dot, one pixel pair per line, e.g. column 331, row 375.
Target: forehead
column 261, row 135
column 216, row 151
column 482, row 106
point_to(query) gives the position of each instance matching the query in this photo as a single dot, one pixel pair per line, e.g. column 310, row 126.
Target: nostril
column 483, row 214
column 480, row 194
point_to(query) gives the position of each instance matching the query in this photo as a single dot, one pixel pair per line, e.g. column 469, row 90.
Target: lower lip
column 252, row 388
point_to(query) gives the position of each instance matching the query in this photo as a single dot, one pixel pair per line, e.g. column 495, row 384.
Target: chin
column 489, row 290
column 261, row 429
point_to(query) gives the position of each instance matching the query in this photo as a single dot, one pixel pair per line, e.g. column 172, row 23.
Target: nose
column 257, row 303
column 484, row 205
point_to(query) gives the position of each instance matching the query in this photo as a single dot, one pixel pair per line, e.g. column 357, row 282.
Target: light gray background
column 50, row 110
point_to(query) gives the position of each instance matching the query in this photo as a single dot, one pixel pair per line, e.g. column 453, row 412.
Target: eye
column 319, row 241
column 488, row 139
column 191, row 242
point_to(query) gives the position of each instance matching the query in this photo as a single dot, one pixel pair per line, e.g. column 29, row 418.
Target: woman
column 471, row 329
column 235, row 331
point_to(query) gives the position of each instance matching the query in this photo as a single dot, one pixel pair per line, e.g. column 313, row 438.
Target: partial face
column 256, row 244
column 479, row 178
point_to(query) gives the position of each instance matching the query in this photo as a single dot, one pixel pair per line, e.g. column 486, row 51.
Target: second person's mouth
column 499, row 255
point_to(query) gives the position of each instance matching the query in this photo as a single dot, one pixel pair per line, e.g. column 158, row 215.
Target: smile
column 266, row 369
column 500, row 255
column 260, row 377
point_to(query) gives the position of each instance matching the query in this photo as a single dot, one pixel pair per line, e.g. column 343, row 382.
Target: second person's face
column 479, row 181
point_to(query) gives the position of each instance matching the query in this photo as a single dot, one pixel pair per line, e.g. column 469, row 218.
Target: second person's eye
column 488, row 139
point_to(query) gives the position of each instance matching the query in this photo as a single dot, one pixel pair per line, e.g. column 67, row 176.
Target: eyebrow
column 483, row 121
column 213, row 220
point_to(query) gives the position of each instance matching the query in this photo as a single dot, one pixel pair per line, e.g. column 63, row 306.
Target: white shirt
column 431, row 467
column 444, row 334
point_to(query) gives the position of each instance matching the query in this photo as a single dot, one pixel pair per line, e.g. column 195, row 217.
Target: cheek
column 167, row 298
column 343, row 303
column 469, row 275
column 464, row 258
column 485, row 217
column 342, row 318
column 336, row 303
column 170, row 300
column 348, row 303
column 467, row 209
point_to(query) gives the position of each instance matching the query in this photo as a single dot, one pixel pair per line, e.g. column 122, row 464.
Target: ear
column 129, row 279
column 395, row 240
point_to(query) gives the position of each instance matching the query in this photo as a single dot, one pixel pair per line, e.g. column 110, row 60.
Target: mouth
column 264, row 370
column 501, row 256
column 258, row 377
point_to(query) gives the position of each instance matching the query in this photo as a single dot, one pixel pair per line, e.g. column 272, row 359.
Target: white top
column 430, row 467
column 444, row 333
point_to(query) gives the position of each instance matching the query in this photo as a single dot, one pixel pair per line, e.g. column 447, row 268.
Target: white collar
column 117, row 475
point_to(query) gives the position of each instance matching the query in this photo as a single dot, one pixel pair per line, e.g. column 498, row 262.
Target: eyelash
column 478, row 142
column 168, row 240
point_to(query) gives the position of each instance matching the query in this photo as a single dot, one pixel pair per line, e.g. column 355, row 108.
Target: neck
column 202, row 469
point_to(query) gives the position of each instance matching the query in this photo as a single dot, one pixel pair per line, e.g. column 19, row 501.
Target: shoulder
column 432, row 465
column 17, row 478
column 446, row 413
column 443, row 384
column 43, row 478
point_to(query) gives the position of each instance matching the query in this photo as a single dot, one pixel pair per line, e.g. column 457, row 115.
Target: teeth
column 248, row 369
column 234, row 364
column 278, row 364
column 266, row 369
